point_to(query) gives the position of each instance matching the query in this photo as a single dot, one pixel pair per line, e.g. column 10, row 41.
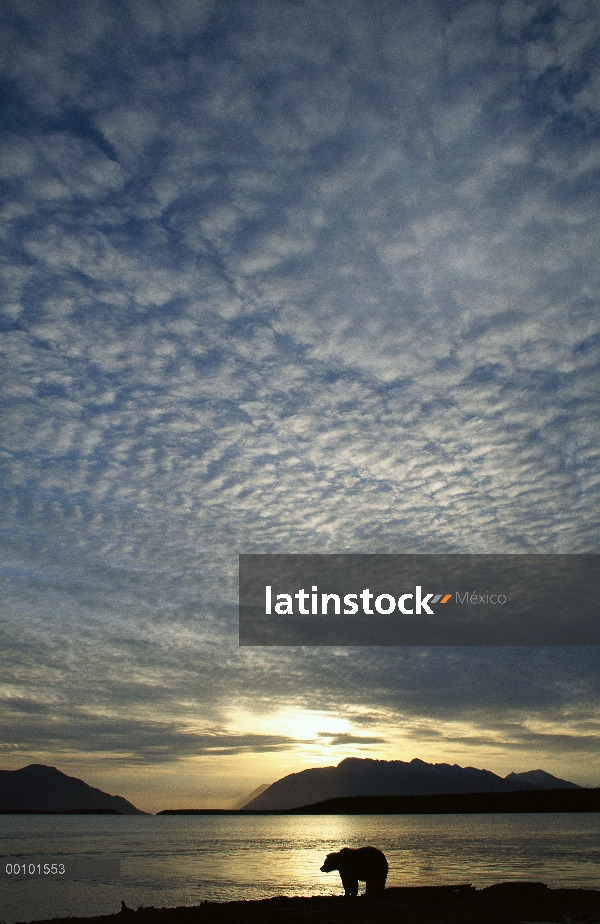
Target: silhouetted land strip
column 504, row 903
column 540, row 800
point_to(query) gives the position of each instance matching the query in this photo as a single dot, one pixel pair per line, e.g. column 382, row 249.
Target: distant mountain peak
column 44, row 768
column 240, row 803
column 540, row 779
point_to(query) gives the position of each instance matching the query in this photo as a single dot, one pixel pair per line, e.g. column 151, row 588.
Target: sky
column 305, row 276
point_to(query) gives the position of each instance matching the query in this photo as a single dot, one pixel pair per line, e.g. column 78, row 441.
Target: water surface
column 183, row 860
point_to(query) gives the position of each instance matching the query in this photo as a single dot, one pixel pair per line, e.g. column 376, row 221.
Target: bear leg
column 350, row 884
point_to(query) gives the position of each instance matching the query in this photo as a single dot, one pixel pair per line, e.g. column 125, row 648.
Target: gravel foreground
column 504, row 903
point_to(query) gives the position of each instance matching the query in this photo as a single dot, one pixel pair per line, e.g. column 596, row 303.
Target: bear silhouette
column 365, row 863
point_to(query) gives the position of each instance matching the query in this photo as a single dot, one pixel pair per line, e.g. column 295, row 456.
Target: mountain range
column 366, row 777
column 38, row 788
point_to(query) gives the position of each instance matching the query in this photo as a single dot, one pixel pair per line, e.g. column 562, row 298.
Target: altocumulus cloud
column 301, row 277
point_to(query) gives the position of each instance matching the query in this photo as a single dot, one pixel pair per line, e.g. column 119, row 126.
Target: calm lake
column 183, row 860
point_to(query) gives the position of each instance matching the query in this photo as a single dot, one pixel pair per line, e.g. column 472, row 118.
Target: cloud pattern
column 304, row 277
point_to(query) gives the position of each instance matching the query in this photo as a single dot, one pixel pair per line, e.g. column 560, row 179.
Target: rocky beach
column 503, row 903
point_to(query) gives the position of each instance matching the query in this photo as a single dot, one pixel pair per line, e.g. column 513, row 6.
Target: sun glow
column 304, row 727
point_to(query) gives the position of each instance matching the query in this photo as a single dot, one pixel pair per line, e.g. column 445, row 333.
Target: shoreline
column 517, row 902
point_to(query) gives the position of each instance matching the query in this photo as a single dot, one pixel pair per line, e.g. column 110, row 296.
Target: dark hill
column 38, row 788
column 366, row 777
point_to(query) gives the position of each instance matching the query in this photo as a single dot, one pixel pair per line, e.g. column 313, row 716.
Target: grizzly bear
column 365, row 863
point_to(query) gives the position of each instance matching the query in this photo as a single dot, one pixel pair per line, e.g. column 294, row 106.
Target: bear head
column 331, row 862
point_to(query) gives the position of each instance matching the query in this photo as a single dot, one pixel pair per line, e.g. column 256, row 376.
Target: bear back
column 362, row 862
